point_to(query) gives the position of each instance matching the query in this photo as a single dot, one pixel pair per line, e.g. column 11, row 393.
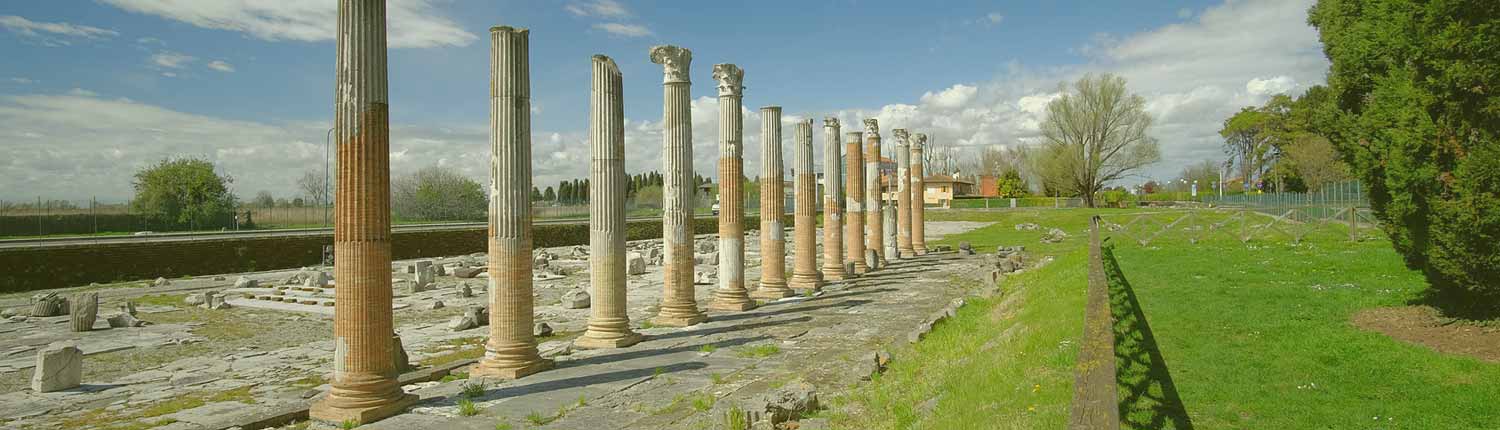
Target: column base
column 321, row 411
column 833, row 274
column 617, row 341
column 861, row 268
column 806, row 282
column 907, row 253
column 921, row 251
column 772, row 292
column 489, row 369
column 732, row 305
column 682, row 320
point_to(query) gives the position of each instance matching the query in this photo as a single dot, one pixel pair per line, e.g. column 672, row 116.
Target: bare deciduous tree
column 1093, row 134
column 313, row 185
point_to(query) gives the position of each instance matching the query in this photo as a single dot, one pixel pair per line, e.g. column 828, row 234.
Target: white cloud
column 625, row 30
column 993, row 18
column 221, row 66
column 1270, row 86
column 21, row 80
column 82, row 92
column 598, row 9
column 1192, row 75
column 952, row 97
column 53, row 33
column 1184, row 13
column 150, row 41
column 171, row 60
column 412, row 23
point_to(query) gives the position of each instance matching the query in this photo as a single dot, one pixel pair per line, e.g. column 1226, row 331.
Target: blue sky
column 92, row 91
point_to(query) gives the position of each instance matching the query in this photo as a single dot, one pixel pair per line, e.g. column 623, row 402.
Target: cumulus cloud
column 171, row 60
column 221, row 66
column 598, row 9
column 1270, row 86
column 412, row 23
column 21, row 80
column 53, row 33
column 625, row 30
column 1192, row 75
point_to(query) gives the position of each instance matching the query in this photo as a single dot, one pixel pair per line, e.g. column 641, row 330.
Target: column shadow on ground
column 783, row 309
column 1148, row 397
column 643, row 353
column 574, row 382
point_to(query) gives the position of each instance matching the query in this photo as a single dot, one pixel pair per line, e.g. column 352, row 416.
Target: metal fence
column 54, row 217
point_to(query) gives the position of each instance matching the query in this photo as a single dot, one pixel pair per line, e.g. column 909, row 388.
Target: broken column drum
column 609, row 325
column 805, row 275
column 364, row 387
column 874, row 201
column 678, row 308
column 833, row 199
column 903, row 195
column 854, row 216
column 511, row 349
column 731, row 294
column 918, row 195
column 772, row 208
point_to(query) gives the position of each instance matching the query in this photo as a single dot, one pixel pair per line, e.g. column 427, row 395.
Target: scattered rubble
column 58, row 367
column 577, row 298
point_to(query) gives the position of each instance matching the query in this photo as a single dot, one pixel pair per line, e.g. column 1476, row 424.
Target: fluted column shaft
column 918, row 196
column 833, row 198
column 805, row 273
column 874, row 201
column 731, row 294
column 679, row 307
column 511, row 350
column 854, row 229
column 364, row 387
column 772, row 208
column 903, row 196
column 609, row 325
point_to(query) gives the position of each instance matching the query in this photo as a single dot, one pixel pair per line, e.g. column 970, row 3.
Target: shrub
column 1417, row 118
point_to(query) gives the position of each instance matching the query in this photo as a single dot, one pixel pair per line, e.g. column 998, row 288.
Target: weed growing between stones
column 349, row 424
column 735, row 419
column 473, row 389
column 708, row 348
column 467, row 407
column 759, row 351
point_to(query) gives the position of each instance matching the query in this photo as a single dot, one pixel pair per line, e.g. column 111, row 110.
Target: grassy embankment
column 1217, row 334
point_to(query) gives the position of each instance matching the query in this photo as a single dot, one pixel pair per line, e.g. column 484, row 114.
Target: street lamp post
column 326, row 138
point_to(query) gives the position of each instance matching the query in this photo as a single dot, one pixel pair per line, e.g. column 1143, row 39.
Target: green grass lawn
column 1218, row 334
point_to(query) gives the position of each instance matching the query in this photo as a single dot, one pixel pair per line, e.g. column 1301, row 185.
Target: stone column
column 874, row 201
column 364, row 387
column 903, row 195
column 805, row 273
column 888, row 218
column 679, row 308
column 731, row 294
column 918, row 195
column 609, row 325
column 511, row 350
column 772, row 208
column 854, row 230
column 833, row 198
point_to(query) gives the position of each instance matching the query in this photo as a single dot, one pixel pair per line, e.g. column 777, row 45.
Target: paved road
column 182, row 237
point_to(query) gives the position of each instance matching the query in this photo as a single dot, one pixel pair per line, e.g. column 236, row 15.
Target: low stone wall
column 26, row 269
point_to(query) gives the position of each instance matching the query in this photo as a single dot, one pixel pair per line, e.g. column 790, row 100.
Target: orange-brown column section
column 874, row 201
column 731, row 294
column 772, row 208
column 903, row 195
column 679, row 307
column 364, row 387
column 609, row 325
column 833, row 203
column 511, row 350
column 918, row 196
column 854, row 232
column 805, row 275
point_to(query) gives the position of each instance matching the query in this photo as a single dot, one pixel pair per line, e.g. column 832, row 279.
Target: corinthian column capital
column 731, row 79
column 829, row 121
column 919, row 141
column 674, row 61
column 901, row 136
column 872, row 126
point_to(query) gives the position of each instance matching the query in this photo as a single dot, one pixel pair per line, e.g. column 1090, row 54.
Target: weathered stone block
column 58, row 367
